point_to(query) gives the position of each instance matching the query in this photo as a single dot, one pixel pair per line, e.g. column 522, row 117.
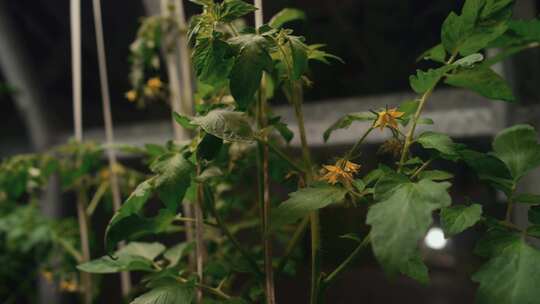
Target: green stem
column 315, row 256
column 298, row 233
column 410, row 135
column 82, row 217
column 284, row 156
column 358, row 143
column 422, row 168
column 332, row 276
column 215, row 291
column 252, row 263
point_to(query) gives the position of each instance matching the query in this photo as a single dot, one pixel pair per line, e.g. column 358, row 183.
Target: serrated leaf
column 483, row 81
column 135, row 256
column 402, row 219
column 456, row 219
column 226, row 124
column 494, row 241
column 470, row 60
column 480, row 22
column 416, row 269
column 169, row 292
column 435, row 175
column 209, row 147
column 305, row 200
column 175, row 253
column 246, row 74
column 425, row 81
column 408, row 108
column 510, row 277
column 282, row 128
column 299, row 54
column 231, row 10
column 534, row 215
column 286, row 15
column 436, row 53
column 183, row 121
column 346, row 121
column 438, row 141
column 387, row 184
column 212, row 60
column 172, row 179
column 518, row 148
column 526, row 198
column 490, row 169
column 534, row 230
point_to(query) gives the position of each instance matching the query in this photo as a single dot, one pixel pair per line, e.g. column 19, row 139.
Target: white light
column 435, row 239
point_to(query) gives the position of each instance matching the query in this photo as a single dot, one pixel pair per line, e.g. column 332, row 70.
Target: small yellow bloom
column 47, row 275
column 131, row 95
column 342, row 171
column 388, row 118
column 154, row 84
column 68, row 285
column 105, row 173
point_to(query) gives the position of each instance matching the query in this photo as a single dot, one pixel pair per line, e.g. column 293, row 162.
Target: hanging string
column 75, row 18
column 107, row 118
column 75, row 24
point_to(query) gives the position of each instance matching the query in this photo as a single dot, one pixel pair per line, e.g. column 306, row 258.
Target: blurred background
column 379, row 40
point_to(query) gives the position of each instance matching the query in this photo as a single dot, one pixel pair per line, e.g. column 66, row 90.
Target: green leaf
column 482, row 81
column 169, row 292
column 135, row 256
column 234, row 9
column 402, row 219
column 534, row 230
column 286, row 15
column 299, row 54
column 226, row 124
column 456, row 219
column 490, row 169
column 175, row 253
column 173, row 178
column 246, row 74
column 518, row 148
column 315, row 53
column 212, row 60
column 510, row 277
column 387, row 184
column 438, row 141
column 534, row 215
column 526, row 198
column 470, row 60
column 282, row 128
column 346, row 121
column 409, row 108
column 416, row 269
column 425, row 81
column 184, row 121
column 494, row 241
column 305, row 200
column 209, row 147
column 435, row 175
column 436, row 53
column 480, row 22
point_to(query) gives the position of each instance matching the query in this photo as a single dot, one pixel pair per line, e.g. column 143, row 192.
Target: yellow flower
column 388, row 118
column 47, row 275
column 131, row 95
column 154, row 85
column 342, row 171
column 68, row 285
column 105, row 173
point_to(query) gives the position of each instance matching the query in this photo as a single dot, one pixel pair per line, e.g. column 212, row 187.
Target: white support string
column 258, row 13
column 75, row 24
column 107, row 118
column 75, row 19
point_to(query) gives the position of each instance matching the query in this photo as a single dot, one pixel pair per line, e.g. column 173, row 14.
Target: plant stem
column 332, row 276
column 199, row 237
column 284, row 156
column 86, row 278
column 410, row 135
column 358, row 143
column 422, row 168
column 221, row 224
column 298, row 233
column 202, row 287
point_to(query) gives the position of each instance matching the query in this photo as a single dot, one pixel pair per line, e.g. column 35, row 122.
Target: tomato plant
column 238, row 152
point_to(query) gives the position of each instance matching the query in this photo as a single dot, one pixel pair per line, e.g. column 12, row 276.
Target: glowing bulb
column 435, row 239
